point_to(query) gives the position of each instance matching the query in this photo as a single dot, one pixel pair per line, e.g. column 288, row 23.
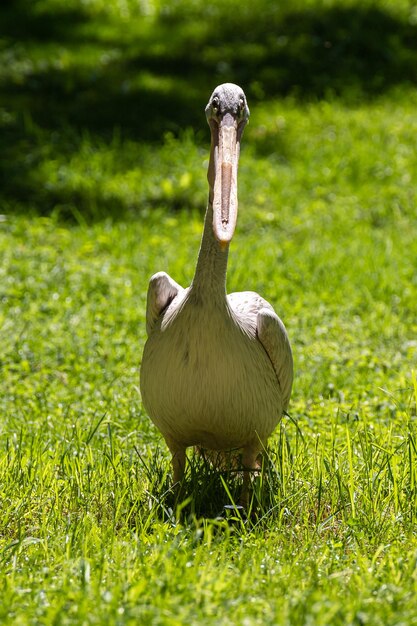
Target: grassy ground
column 95, row 199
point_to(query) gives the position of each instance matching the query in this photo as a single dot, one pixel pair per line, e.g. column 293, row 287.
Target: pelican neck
column 211, row 269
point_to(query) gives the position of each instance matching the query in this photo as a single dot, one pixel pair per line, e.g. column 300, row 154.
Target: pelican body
column 217, row 369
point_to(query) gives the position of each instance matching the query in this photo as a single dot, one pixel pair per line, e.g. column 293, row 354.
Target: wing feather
column 273, row 336
column 161, row 292
column 258, row 318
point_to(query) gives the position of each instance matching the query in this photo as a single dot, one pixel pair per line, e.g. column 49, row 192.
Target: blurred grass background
column 94, row 94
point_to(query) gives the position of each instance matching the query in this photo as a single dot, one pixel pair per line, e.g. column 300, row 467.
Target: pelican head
column 227, row 114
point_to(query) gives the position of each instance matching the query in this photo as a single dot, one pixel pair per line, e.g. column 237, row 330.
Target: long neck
column 210, row 273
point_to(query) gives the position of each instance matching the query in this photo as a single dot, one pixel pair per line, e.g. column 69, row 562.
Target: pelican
column 217, row 369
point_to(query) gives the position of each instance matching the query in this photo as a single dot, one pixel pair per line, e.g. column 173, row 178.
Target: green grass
column 94, row 201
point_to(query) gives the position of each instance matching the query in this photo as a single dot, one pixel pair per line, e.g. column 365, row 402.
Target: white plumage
column 217, row 370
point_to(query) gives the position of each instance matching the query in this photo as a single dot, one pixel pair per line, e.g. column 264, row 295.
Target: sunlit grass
column 87, row 518
column 90, row 532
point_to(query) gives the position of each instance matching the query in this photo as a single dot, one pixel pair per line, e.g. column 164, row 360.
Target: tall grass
column 104, row 156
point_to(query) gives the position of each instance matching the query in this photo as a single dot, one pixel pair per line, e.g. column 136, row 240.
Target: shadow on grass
column 212, row 493
column 68, row 72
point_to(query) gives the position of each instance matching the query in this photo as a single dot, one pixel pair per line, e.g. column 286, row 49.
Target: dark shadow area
column 19, row 21
column 212, row 493
column 67, row 72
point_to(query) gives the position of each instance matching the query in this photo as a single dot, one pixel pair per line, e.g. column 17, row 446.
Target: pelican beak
column 225, row 183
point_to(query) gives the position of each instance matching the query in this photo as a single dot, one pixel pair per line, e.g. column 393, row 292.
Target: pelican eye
column 241, row 106
column 215, row 104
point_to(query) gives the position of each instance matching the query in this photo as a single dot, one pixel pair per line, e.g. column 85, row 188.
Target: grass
column 94, row 202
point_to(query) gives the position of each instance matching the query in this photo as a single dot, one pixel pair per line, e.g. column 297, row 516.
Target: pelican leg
column 250, row 464
column 178, row 460
column 178, row 465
